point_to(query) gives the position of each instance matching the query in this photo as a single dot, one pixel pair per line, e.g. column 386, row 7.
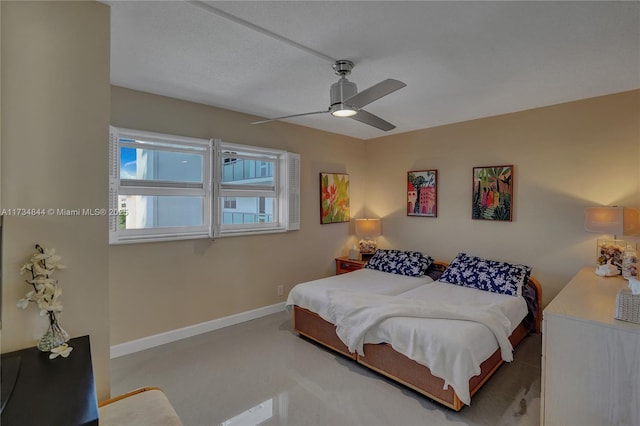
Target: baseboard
column 192, row 330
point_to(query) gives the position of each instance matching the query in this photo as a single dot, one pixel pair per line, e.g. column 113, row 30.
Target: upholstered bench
column 141, row 407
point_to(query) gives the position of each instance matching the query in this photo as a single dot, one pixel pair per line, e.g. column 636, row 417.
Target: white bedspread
column 453, row 350
column 313, row 295
column 355, row 313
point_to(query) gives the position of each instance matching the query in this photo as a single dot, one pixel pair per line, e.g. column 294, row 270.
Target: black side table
column 54, row 392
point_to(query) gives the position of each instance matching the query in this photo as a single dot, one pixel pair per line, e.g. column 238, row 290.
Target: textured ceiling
column 460, row 60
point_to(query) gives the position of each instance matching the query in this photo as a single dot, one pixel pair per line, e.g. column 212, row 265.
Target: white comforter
column 419, row 325
column 313, row 295
column 356, row 313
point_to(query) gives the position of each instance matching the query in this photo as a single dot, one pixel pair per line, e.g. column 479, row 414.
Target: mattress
column 312, row 295
column 451, row 349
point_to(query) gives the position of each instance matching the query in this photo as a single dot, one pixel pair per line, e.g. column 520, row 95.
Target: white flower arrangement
column 46, row 291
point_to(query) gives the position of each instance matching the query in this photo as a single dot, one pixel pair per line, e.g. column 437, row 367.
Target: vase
column 54, row 337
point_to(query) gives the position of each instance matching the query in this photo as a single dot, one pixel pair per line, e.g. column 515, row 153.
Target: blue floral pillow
column 410, row 263
column 460, row 270
column 487, row 275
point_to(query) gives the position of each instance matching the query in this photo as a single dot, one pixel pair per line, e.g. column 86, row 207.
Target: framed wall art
column 493, row 193
column 422, row 193
column 334, row 198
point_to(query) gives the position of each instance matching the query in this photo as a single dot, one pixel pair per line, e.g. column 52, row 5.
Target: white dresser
column 590, row 361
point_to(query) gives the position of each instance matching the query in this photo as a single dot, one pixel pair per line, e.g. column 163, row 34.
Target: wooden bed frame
column 388, row 362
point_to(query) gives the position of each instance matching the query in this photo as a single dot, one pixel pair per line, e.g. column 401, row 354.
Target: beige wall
column 158, row 287
column 55, row 116
column 566, row 157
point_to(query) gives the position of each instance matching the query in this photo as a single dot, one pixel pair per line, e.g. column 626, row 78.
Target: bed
column 411, row 349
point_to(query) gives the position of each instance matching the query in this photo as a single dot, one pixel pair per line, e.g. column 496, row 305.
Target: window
column 229, row 202
column 162, row 188
column 257, row 190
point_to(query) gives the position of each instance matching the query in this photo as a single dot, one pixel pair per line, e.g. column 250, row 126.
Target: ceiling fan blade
column 372, row 120
column 290, row 116
column 374, row 92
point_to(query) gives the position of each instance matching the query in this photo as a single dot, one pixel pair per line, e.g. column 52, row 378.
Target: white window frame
column 285, row 189
column 118, row 186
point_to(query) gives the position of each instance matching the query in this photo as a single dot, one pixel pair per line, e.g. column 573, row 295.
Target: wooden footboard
column 386, row 361
column 314, row 327
column 383, row 359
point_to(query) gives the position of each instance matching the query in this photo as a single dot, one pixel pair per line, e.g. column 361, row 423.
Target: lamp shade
column 604, row 220
column 368, row 228
column 631, row 221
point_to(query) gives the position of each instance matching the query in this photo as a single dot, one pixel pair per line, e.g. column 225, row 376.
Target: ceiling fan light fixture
column 343, row 111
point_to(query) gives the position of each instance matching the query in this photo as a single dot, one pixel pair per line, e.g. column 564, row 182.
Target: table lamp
column 606, row 220
column 368, row 230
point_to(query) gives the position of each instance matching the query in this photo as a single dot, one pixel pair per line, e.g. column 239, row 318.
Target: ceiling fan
column 346, row 101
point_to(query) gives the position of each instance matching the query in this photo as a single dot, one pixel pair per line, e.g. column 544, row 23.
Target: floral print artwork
column 493, row 193
column 334, row 198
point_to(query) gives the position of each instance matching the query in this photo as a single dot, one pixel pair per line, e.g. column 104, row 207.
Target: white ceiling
column 460, row 60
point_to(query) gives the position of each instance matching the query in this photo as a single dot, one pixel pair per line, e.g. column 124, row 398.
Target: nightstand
column 344, row 265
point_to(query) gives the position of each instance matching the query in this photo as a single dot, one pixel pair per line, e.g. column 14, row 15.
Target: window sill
column 244, row 232
column 157, row 239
